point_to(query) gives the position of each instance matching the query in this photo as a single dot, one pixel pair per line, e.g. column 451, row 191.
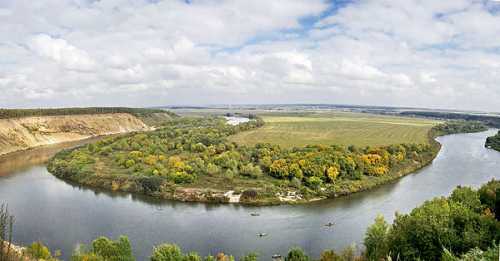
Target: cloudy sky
column 425, row 53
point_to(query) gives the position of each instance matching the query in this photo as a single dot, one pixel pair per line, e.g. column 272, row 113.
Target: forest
column 490, row 120
column 19, row 113
column 493, row 142
column 195, row 153
column 461, row 227
column 459, row 126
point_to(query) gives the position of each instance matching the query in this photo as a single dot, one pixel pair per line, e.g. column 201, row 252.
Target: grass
column 296, row 130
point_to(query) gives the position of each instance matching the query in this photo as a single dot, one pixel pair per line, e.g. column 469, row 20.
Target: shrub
column 296, row 254
column 167, row 252
column 150, row 184
column 250, row 170
column 38, row 250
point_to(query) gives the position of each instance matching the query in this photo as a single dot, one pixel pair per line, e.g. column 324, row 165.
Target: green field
column 340, row 128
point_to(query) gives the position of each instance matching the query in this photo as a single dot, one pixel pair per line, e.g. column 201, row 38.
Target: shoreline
column 215, row 196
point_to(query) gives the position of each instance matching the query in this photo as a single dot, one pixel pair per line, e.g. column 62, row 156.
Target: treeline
column 458, row 126
column 196, row 151
column 19, row 113
column 493, row 142
column 464, row 226
column 492, row 121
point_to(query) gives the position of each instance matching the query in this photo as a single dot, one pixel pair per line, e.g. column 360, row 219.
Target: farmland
column 297, row 130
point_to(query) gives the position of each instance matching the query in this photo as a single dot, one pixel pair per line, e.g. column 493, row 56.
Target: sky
column 417, row 53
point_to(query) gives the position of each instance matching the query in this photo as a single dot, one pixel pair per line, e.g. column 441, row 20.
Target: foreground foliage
column 105, row 249
column 465, row 224
column 195, row 153
column 462, row 227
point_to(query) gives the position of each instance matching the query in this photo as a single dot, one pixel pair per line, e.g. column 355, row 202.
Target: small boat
column 262, row 234
column 276, row 256
column 254, row 214
column 329, row 224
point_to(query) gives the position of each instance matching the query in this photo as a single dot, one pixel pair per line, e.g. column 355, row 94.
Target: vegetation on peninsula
column 493, row 142
column 191, row 159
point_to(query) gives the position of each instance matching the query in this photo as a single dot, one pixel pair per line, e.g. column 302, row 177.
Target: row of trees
column 19, row 113
column 459, row 126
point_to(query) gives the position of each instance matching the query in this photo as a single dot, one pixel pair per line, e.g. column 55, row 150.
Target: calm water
column 63, row 215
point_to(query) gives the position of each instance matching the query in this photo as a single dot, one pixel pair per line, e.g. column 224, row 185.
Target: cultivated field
column 289, row 130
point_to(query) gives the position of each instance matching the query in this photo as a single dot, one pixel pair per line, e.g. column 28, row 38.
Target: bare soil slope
column 24, row 133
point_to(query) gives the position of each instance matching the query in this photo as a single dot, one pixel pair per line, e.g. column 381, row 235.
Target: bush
column 167, row 252
column 119, row 250
column 38, row 250
column 314, row 182
column 250, row 170
column 150, row 185
column 105, row 249
column 249, row 194
column 296, row 254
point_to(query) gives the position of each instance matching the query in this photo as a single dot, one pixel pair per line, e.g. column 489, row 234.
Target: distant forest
column 19, row 113
column 492, row 121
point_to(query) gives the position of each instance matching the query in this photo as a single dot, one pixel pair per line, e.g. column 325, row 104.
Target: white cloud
column 139, row 53
column 60, row 51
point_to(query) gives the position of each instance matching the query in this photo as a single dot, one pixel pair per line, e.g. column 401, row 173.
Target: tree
column 314, row 182
column 38, row 250
column 119, row 250
column 250, row 257
column 332, row 173
column 250, row 170
column 296, row 254
column 167, row 252
column 279, row 169
column 376, row 239
column 467, row 197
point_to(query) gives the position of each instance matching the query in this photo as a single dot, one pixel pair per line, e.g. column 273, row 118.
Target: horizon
column 225, row 105
column 142, row 53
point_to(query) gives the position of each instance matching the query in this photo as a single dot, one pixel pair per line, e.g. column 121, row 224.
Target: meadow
column 341, row 128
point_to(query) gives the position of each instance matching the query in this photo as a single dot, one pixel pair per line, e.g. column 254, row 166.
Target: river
column 62, row 214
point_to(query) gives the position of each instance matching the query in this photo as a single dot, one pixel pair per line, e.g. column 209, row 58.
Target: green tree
column 467, row 197
column 376, row 239
column 167, row 252
column 38, row 250
column 250, row 257
column 296, row 254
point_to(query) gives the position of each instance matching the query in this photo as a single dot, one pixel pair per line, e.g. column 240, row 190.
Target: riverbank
column 194, row 174
column 27, row 129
